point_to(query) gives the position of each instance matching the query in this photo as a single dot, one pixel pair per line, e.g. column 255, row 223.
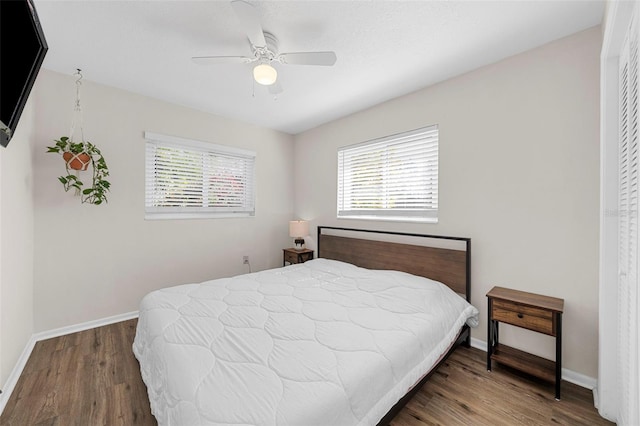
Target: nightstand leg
column 489, row 338
column 558, row 354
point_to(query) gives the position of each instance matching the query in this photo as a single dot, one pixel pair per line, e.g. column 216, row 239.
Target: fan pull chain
column 253, row 87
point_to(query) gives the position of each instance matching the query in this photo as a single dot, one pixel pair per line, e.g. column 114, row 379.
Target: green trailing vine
column 97, row 192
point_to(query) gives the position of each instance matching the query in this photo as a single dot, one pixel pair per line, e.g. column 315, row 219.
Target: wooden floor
column 92, row 378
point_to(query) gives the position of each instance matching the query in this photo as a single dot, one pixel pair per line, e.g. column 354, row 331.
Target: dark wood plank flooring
column 85, row 378
column 92, row 378
column 463, row 392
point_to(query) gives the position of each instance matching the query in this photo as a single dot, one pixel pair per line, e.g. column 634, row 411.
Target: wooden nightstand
column 533, row 312
column 292, row 255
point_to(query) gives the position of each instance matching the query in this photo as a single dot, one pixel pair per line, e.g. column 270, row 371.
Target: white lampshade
column 265, row 74
column 298, row 228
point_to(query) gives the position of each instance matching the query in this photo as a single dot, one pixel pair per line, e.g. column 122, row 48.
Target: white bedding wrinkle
column 318, row 343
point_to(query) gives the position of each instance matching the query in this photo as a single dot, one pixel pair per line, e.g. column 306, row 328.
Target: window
column 394, row 177
column 191, row 179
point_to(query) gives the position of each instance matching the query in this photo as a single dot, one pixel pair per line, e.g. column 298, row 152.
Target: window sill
column 180, row 216
column 392, row 219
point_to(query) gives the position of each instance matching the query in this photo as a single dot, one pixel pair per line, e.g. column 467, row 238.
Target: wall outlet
column 245, row 260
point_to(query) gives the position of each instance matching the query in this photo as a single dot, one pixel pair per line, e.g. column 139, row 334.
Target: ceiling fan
column 264, row 49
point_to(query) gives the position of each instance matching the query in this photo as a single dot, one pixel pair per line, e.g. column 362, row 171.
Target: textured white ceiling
column 385, row 49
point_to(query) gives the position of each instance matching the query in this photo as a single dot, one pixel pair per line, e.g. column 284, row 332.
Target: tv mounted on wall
column 22, row 50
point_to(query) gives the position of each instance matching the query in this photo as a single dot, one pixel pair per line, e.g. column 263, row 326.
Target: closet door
column 628, row 331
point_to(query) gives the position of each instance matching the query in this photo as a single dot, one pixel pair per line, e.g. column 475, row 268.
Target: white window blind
column 186, row 178
column 394, row 177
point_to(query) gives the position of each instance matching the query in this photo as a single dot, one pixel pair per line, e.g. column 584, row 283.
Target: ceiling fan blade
column 215, row 60
column 275, row 88
column 308, row 58
column 250, row 22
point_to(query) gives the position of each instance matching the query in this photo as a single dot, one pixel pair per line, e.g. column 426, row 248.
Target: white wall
column 16, row 247
column 519, row 159
column 97, row 261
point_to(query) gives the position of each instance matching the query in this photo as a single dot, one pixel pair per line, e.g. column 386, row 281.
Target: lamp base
column 299, row 243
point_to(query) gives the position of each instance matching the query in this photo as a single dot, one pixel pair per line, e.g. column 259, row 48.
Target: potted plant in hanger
column 78, row 156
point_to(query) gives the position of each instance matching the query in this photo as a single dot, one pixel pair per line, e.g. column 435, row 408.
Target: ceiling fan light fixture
column 265, row 74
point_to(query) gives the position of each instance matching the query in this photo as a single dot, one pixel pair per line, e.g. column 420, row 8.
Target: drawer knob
column 520, row 315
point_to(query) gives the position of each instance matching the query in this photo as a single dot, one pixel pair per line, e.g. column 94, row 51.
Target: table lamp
column 298, row 229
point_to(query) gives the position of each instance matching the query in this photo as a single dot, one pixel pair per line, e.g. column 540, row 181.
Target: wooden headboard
column 375, row 250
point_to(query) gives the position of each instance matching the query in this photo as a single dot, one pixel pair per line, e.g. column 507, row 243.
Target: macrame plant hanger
column 77, row 110
column 78, row 154
column 76, row 122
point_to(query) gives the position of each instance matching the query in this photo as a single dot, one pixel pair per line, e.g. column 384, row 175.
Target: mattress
column 318, row 343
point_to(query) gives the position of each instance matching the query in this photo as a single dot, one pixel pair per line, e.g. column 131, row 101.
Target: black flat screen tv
column 22, row 50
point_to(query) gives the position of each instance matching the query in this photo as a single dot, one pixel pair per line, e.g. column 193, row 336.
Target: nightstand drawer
column 294, row 256
column 523, row 316
column 290, row 257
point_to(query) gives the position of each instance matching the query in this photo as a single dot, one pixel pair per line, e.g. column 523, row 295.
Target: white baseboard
column 579, row 379
column 596, row 401
column 62, row 331
column 568, row 375
column 12, row 380
column 479, row 344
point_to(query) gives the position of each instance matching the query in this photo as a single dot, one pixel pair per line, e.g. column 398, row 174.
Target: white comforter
column 319, row 343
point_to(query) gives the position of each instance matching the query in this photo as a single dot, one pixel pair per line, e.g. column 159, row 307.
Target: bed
column 344, row 339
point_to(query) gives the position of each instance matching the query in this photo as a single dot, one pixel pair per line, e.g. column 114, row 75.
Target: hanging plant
column 78, row 156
